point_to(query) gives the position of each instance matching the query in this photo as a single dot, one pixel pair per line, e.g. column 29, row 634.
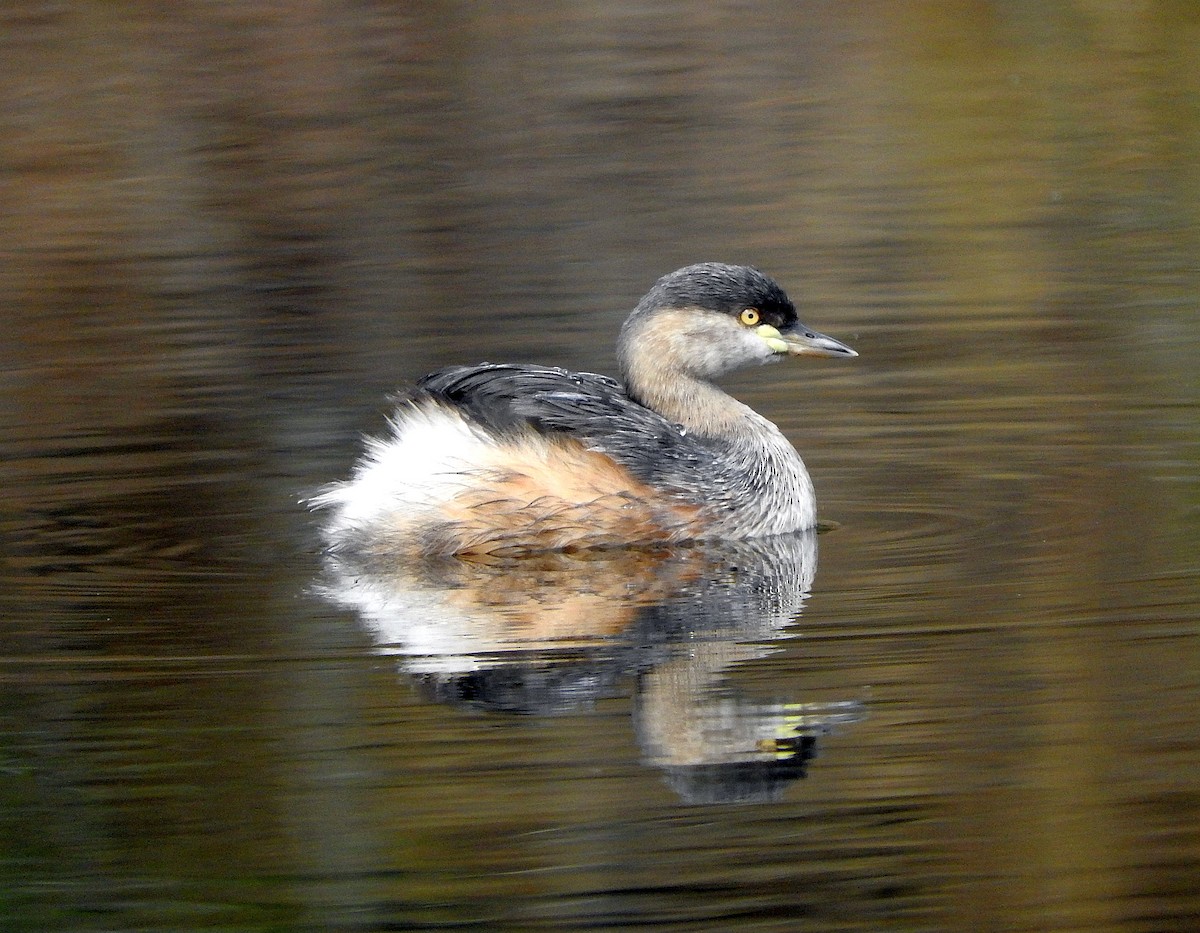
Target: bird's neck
column 757, row 482
column 654, row 364
column 697, row 405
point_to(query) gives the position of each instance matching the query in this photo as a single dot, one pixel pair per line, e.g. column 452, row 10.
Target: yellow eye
column 750, row 317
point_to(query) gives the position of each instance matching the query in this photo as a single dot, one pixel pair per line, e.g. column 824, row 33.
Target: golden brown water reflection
column 230, row 229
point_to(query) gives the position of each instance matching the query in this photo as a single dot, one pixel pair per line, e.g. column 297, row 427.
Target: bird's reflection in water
column 554, row 633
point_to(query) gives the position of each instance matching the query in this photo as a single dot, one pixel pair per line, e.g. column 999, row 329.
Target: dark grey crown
column 716, row 286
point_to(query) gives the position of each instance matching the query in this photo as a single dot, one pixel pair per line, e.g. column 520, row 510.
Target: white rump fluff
column 430, row 456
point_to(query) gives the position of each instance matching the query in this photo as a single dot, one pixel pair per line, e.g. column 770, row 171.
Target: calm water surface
column 231, row 229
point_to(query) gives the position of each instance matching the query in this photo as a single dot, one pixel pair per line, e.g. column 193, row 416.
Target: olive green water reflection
column 229, row 230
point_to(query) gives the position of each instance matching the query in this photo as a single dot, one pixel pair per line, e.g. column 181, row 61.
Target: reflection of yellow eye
column 750, row 317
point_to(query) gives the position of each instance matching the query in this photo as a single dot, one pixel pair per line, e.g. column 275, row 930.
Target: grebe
column 500, row 459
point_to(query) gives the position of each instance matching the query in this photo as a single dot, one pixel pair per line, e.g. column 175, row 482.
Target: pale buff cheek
column 703, row 343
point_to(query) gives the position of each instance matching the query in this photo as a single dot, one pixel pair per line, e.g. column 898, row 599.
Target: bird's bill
column 804, row 342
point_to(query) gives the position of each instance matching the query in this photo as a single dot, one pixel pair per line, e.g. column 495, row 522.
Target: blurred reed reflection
column 556, row 632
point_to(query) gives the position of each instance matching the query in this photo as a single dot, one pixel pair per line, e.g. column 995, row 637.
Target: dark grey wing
column 591, row 408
